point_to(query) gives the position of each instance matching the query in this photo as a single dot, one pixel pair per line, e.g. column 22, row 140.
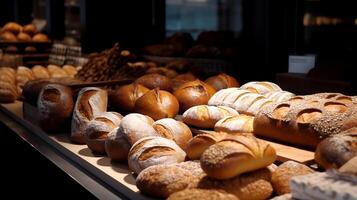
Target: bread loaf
column 235, row 155
column 222, row 81
column 124, row 97
column 151, row 151
column 305, row 120
column 279, row 96
column 12, row 27
column 235, row 124
column 335, row 151
column 56, row 71
column 198, row 144
column 193, row 93
column 55, row 107
column 90, row 103
column 30, row 29
column 204, row 116
column 173, row 130
column 98, row 129
column 157, row 104
column 23, row 37
column 40, row 37
column 153, row 81
column 198, row 194
column 23, row 74
column 136, row 126
column 117, row 146
column 70, row 70
column 261, row 87
column 181, row 79
column 252, row 185
column 8, row 90
column 40, row 72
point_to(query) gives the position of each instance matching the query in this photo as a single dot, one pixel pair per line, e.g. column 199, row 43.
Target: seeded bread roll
column 98, row 129
column 222, row 81
column 151, row 151
column 163, row 180
column 252, row 185
column 117, row 146
column 173, row 130
column 198, row 194
column 135, row 126
column 204, row 116
column 235, row 124
column 90, row 103
column 261, row 87
column 236, row 155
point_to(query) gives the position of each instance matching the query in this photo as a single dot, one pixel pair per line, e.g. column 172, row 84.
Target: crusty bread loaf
column 181, row 79
column 40, row 72
column 90, row 103
column 279, row 96
column 305, row 120
column 56, row 71
column 153, row 81
column 198, row 194
column 261, row 87
column 335, row 151
column 252, row 185
column 124, row 97
column 8, row 90
column 198, row 144
column 235, row 155
column 157, row 104
column 204, row 116
column 222, row 81
column 282, row 175
column 173, row 130
column 55, row 107
column 163, row 180
column 193, row 93
column 70, row 70
column 98, row 129
column 23, row 75
column 117, row 146
column 135, row 126
column 235, row 124
column 151, row 151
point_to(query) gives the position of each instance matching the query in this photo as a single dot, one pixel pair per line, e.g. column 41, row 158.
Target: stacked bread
column 13, row 31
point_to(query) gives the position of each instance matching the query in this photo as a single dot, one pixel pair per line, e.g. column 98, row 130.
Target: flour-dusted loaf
column 173, row 130
column 235, row 124
column 235, row 155
column 261, row 87
column 151, row 151
column 117, row 146
column 204, row 116
column 198, row 194
column 98, row 129
column 279, row 96
column 91, row 102
column 135, row 126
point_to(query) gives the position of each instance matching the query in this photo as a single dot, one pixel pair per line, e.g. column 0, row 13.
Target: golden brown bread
column 198, row 194
column 252, row 185
column 124, row 97
column 282, row 175
column 193, row 93
column 157, row 104
column 12, row 27
column 152, row 81
column 235, row 124
column 204, row 116
column 235, row 155
column 117, row 146
column 55, row 107
column 8, row 36
column 8, row 90
column 30, row 29
column 335, row 151
column 173, row 130
column 279, row 96
column 70, row 70
column 151, row 151
column 40, row 37
column 181, row 79
column 222, row 81
column 56, row 71
column 163, row 71
column 261, row 87
column 23, row 37
column 90, row 103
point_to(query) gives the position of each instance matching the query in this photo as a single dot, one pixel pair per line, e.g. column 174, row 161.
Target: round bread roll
column 55, row 106
column 163, row 180
column 252, row 185
column 30, row 49
column 98, row 129
column 152, row 81
column 56, row 71
column 40, row 72
column 235, row 155
column 117, row 146
column 281, row 176
column 199, row 194
column 222, row 81
column 193, row 93
column 151, row 151
column 163, row 71
column 181, row 79
column 40, row 37
column 12, row 27
column 23, row 37
column 136, row 126
column 8, row 37
column 70, row 70
column 204, row 116
column 157, row 104
column 30, row 29
column 235, row 124
column 124, row 97
column 198, row 144
column 261, row 87
column 173, row 130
